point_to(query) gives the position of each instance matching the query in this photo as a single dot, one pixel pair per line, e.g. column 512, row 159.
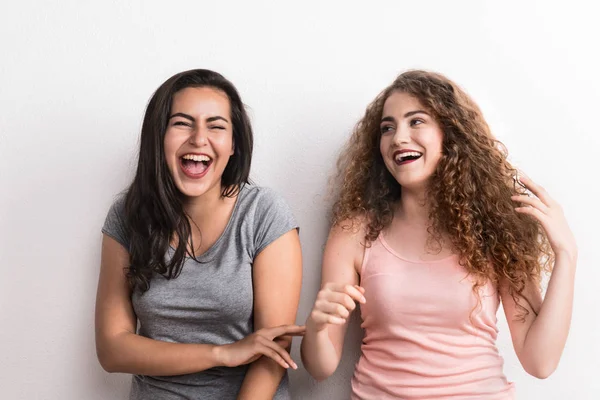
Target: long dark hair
column 153, row 205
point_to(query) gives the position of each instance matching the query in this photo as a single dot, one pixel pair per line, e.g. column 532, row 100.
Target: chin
column 193, row 193
column 191, row 189
column 412, row 184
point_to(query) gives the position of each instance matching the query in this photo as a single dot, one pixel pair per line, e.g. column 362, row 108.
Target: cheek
column 435, row 144
column 384, row 147
column 437, row 156
column 384, row 144
column 435, row 161
column 439, row 139
column 169, row 148
column 171, row 144
column 224, row 144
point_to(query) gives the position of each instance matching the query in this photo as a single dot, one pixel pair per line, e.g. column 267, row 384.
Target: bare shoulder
column 345, row 247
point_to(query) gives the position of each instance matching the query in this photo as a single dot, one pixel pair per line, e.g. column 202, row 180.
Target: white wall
column 74, row 80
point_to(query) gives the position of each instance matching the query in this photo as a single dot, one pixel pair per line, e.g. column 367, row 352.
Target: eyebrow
column 408, row 114
column 187, row 116
column 216, row 118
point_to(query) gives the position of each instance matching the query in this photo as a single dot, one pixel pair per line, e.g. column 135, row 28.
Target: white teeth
column 196, row 157
column 400, row 157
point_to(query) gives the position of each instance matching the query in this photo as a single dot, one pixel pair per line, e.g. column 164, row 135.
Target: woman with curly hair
column 432, row 229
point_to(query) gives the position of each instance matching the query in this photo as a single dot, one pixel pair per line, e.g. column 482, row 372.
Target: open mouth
column 195, row 165
column 405, row 157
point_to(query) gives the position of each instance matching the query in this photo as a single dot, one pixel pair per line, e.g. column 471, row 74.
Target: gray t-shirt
column 209, row 302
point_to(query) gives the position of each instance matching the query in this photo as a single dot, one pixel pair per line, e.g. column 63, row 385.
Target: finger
column 272, row 354
column 293, row 334
column 336, row 309
column 284, row 341
column 536, row 189
column 353, row 292
column 531, row 201
column 322, row 318
column 288, row 337
column 281, row 352
column 362, row 289
column 534, row 212
column 271, row 333
column 341, row 298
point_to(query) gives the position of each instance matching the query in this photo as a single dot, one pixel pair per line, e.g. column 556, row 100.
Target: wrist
column 313, row 328
column 218, row 355
column 569, row 255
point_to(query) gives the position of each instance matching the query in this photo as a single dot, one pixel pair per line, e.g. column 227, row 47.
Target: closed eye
column 181, row 123
column 217, row 127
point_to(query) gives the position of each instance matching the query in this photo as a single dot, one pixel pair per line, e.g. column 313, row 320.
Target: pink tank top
column 425, row 335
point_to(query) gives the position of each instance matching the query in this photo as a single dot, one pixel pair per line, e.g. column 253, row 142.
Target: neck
column 412, row 208
column 199, row 208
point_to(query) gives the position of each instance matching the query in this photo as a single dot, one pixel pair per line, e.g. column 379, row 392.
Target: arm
column 118, row 346
column 120, row 349
column 326, row 326
column 277, row 279
column 540, row 339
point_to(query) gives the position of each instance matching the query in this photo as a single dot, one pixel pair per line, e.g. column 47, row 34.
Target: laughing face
column 411, row 140
column 199, row 139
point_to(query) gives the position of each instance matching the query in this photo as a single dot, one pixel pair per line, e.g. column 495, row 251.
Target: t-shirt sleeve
column 114, row 224
column 273, row 219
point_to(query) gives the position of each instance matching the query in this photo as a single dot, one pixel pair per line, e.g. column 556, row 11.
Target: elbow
column 541, row 371
column 318, row 372
column 540, row 375
column 539, row 363
column 320, row 376
column 108, row 361
column 110, row 354
column 107, row 364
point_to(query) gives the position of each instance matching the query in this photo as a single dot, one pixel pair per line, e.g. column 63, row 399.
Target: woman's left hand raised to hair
column 550, row 215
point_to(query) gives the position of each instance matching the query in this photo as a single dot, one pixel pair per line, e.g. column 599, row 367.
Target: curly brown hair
column 469, row 194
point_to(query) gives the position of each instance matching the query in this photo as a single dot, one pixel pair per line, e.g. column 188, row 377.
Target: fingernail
column 295, row 366
column 287, row 365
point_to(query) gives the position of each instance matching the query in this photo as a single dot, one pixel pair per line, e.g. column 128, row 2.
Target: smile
column 195, row 165
column 404, row 157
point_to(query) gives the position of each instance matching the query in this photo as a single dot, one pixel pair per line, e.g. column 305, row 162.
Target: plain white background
column 74, row 80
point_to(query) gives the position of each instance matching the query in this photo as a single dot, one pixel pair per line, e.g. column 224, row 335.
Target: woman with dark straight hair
column 201, row 270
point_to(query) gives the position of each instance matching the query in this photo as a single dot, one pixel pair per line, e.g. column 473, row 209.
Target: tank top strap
column 369, row 249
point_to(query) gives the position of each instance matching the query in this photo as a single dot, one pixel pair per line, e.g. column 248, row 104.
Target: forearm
column 135, row 354
column 319, row 355
column 546, row 338
column 261, row 380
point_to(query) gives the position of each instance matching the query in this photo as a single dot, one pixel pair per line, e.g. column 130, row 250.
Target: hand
column 260, row 343
column 334, row 304
column 550, row 215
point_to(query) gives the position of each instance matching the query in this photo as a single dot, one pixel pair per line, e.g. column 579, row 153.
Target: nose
column 199, row 136
column 401, row 136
